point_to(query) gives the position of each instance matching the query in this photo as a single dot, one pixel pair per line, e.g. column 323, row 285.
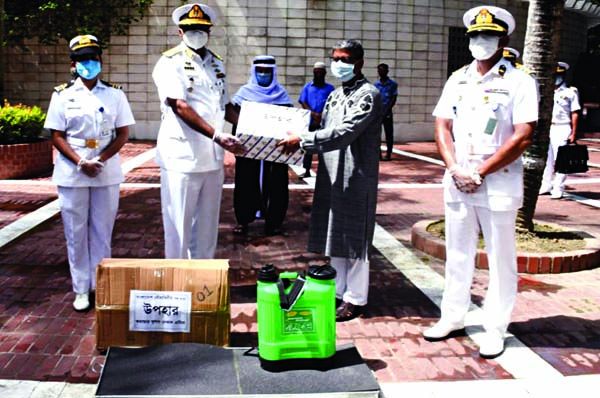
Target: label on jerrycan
column 299, row 320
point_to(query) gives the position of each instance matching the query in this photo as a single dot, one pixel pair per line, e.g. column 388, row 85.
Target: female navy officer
column 89, row 119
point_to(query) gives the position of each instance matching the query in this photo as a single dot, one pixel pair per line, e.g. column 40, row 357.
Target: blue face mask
column 88, row 69
column 263, row 79
column 342, row 71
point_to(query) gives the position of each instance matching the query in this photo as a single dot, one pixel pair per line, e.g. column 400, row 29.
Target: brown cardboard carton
column 207, row 280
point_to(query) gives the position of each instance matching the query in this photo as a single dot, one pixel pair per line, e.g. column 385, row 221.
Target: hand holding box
column 262, row 126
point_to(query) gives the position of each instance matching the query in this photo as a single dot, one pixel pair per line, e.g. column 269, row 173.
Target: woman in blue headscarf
column 261, row 187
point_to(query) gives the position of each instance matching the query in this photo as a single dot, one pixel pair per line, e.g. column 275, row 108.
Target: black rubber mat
column 199, row 370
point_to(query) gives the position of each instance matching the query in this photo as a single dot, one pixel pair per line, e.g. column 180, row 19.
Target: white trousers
column 88, row 215
column 351, row 280
column 463, row 223
column 190, row 205
column 555, row 182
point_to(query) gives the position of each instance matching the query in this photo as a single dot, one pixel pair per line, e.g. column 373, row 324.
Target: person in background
column 484, row 120
column 89, row 120
column 194, row 101
column 342, row 222
column 261, row 187
column 565, row 116
column 389, row 94
column 313, row 97
column 511, row 55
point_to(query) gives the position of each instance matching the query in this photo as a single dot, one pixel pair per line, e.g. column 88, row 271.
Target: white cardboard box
column 261, row 126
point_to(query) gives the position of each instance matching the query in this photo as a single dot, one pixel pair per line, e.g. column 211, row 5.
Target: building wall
column 573, row 40
column 409, row 35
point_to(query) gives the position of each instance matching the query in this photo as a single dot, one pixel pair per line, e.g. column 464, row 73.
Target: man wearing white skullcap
column 313, row 97
column 485, row 119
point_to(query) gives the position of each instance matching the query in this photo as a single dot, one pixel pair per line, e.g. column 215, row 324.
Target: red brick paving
column 42, row 338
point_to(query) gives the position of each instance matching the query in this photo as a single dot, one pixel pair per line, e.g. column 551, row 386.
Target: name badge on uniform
column 490, row 126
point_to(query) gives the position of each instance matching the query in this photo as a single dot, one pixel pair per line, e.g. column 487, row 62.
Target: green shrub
column 20, row 124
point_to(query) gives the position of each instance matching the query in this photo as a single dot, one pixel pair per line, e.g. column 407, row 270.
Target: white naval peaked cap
column 84, row 44
column 510, row 53
column 194, row 14
column 489, row 19
column 562, row 67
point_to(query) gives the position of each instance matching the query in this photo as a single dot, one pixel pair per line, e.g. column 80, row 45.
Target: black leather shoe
column 272, row 231
column 347, row 311
column 240, row 229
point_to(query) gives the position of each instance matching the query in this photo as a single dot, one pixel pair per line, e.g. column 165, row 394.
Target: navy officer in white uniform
column 484, row 121
column 89, row 119
column 565, row 117
column 195, row 103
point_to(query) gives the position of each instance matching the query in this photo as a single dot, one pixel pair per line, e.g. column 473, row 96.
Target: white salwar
column 351, row 279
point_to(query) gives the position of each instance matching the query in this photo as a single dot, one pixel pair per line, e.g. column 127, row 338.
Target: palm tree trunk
column 541, row 56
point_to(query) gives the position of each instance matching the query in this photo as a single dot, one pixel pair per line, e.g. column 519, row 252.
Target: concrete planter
column 530, row 263
column 25, row 160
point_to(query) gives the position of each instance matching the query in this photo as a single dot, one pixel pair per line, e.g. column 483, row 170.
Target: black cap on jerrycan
column 268, row 274
column 323, row 272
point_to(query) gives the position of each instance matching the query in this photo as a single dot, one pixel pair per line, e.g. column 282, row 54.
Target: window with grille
column 458, row 49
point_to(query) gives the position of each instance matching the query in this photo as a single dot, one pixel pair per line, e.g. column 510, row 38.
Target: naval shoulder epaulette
column 525, row 69
column 462, row 68
column 113, row 85
column 171, row 52
column 63, row 86
column 502, row 70
column 217, row 56
column 575, row 90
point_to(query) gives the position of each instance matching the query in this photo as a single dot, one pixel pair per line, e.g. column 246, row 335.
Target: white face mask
column 343, row 72
column 483, row 46
column 559, row 80
column 195, row 39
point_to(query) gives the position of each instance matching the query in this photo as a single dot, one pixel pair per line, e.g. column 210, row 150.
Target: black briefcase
column 571, row 158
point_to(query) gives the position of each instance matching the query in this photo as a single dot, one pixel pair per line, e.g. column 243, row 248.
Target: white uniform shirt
column 484, row 110
column 182, row 74
column 83, row 114
column 566, row 101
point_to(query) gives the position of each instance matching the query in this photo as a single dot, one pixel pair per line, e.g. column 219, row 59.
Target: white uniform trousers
column 463, row 222
column 351, row 279
column 88, row 215
column 190, row 205
column 555, row 182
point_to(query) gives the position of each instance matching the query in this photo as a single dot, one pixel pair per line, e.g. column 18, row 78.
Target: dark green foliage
column 50, row 21
column 20, row 124
column 593, row 44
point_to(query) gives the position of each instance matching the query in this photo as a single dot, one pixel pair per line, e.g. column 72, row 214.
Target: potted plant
column 24, row 152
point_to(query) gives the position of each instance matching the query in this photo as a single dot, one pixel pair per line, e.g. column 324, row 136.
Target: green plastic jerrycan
column 296, row 321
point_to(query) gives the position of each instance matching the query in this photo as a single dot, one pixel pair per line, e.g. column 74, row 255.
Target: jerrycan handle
column 287, row 301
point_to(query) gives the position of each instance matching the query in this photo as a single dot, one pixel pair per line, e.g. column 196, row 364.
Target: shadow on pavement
column 559, row 332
